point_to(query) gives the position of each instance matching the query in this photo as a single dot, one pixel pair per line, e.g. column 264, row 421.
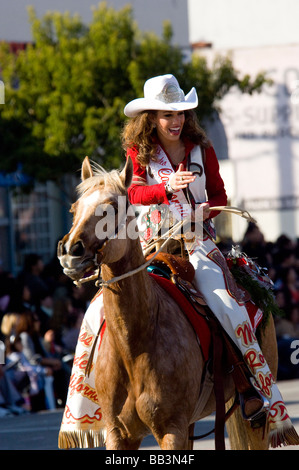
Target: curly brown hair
column 140, row 132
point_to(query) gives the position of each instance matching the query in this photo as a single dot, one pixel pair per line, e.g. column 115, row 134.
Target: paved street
column 40, row 431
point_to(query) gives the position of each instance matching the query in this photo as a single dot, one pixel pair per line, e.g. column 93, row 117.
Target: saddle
column 180, row 271
column 177, row 265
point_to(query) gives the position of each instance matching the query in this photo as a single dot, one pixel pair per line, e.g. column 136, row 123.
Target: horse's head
column 98, row 215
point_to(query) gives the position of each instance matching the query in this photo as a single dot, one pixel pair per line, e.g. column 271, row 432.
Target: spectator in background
column 285, row 259
column 288, row 325
column 64, row 324
column 44, row 312
column 36, row 353
column 53, row 275
column 32, row 278
column 280, row 299
column 284, row 254
column 255, row 247
column 29, row 379
column 288, row 282
column 11, row 401
column 287, row 330
column 7, row 291
column 21, row 300
column 71, row 333
column 9, row 324
column 284, row 242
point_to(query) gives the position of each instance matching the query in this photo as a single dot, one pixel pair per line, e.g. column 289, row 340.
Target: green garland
column 262, row 297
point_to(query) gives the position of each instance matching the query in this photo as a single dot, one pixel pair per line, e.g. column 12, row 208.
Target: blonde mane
column 102, row 179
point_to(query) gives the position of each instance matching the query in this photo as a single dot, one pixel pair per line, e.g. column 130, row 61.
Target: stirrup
column 257, row 419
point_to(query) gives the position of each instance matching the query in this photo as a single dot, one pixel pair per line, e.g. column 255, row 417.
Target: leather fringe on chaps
column 81, row 439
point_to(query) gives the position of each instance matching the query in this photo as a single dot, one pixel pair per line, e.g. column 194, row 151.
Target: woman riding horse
column 174, row 164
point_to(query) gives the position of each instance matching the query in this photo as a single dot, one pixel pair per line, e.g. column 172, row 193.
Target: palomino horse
column 150, row 368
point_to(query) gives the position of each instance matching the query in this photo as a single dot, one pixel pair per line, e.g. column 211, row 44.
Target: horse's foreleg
column 115, row 441
column 174, row 440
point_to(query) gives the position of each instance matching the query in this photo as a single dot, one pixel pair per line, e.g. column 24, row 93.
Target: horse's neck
column 129, row 303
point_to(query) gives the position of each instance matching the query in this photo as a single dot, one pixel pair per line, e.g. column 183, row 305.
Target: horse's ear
column 127, row 172
column 86, row 170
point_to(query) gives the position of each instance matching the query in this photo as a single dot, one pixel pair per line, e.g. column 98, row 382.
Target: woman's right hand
column 181, row 178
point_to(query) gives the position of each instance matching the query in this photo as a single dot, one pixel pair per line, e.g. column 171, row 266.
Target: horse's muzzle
column 75, row 262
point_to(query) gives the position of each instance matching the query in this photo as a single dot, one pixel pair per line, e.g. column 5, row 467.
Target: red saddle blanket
column 198, row 322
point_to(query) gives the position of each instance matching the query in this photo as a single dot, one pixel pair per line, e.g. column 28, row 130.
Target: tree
column 66, row 92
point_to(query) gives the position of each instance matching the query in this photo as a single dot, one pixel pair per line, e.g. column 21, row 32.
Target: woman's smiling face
column 169, row 125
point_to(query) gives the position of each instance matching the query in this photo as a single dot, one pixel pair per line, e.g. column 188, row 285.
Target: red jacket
column 156, row 194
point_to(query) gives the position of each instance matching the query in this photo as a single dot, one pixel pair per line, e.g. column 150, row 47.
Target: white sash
column 160, row 172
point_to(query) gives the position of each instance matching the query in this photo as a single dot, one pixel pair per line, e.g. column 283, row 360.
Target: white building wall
column 234, row 24
column 149, row 15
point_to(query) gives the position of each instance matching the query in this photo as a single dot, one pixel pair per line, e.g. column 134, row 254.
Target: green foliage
column 66, row 92
column 262, row 297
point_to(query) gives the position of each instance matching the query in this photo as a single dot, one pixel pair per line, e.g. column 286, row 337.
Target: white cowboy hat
column 162, row 93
